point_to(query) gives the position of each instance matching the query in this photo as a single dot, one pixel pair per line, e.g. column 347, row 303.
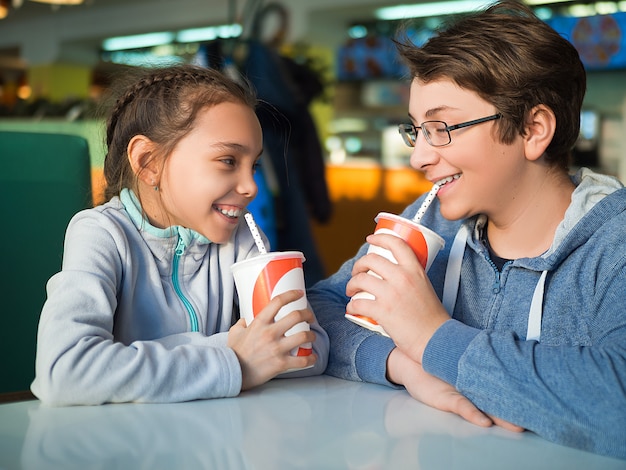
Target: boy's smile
column 475, row 171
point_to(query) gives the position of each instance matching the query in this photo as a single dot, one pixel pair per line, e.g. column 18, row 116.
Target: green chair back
column 44, row 180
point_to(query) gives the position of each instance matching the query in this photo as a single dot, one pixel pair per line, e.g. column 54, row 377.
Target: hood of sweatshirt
column 135, row 212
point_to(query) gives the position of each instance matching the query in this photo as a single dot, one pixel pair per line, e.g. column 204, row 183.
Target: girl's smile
column 232, row 212
column 215, row 162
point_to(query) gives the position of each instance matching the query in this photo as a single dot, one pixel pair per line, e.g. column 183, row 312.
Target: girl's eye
column 229, row 161
column 256, row 166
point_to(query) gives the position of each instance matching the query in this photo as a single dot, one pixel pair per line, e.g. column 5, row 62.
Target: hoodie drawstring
column 453, row 278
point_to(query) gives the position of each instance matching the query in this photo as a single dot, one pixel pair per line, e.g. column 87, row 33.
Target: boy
column 530, row 328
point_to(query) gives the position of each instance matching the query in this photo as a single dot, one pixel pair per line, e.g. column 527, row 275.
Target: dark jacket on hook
column 291, row 139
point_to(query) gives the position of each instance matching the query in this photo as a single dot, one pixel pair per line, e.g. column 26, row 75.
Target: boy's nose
column 423, row 154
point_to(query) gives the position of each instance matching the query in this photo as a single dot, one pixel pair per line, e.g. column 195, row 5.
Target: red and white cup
column 424, row 242
column 260, row 279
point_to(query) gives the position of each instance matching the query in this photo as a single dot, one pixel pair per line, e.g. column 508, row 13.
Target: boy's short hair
column 513, row 60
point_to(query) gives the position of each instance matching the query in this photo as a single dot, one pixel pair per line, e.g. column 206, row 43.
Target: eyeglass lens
column 435, row 132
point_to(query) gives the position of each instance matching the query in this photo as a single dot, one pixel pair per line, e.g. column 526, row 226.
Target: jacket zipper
column 193, row 319
column 495, row 288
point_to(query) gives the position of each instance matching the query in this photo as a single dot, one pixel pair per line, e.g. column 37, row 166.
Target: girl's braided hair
column 161, row 104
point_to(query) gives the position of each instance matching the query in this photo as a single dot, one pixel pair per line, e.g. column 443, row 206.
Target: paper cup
column 260, row 279
column 424, row 242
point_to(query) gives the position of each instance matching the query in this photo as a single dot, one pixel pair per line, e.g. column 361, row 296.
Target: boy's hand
column 436, row 393
column 405, row 303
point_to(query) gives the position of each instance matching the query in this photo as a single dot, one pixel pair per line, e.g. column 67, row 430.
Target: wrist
column 427, row 331
column 392, row 373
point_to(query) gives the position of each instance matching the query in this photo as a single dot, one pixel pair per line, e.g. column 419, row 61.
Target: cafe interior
column 58, row 58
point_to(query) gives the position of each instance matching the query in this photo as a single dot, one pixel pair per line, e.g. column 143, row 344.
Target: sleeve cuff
column 444, row 350
column 371, row 360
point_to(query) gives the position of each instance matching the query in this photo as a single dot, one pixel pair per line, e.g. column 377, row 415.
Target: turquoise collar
column 135, row 212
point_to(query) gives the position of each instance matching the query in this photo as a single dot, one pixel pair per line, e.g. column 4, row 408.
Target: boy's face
column 208, row 180
column 488, row 171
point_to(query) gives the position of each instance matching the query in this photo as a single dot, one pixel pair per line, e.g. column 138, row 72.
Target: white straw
column 427, row 202
column 255, row 233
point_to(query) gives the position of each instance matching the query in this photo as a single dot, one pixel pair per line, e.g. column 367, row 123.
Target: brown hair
column 513, row 60
column 162, row 104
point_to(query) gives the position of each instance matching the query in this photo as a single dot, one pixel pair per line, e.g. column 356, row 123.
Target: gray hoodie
column 141, row 314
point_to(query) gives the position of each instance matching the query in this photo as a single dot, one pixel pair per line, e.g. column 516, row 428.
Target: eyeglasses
column 437, row 133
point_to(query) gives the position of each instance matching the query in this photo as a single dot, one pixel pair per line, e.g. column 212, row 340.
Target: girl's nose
column 247, row 185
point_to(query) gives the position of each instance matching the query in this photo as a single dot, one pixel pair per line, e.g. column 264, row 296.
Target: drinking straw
column 427, row 202
column 255, row 233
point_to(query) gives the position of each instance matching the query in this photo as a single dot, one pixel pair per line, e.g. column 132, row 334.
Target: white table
column 316, row 423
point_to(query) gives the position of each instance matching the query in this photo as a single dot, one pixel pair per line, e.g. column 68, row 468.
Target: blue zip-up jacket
column 141, row 314
column 570, row 386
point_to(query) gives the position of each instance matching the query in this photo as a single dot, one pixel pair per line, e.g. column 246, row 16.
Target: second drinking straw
column 427, row 202
column 255, row 233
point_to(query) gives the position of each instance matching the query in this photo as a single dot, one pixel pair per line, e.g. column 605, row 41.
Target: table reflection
column 309, row 423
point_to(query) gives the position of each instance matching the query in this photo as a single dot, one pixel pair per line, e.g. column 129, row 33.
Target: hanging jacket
column 283, row 118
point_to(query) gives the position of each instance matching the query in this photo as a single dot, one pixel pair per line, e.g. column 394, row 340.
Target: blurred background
column 329, row 71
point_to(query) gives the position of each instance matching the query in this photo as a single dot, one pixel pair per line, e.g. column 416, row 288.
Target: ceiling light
column 606, row 8
column 59, row 2
column 423, row 10
column 209, row 33
column 543, row 2
column 581, row 11
column 137, row 41
column 141, row 41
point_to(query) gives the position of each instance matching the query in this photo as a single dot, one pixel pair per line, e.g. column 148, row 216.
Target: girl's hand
column 263, row 349
column 405, row 304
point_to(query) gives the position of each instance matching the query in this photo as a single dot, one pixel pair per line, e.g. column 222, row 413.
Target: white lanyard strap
column 453, row 278
column 536, row 310
column 453, row 270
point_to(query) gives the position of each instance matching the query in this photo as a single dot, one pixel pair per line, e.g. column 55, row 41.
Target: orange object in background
column 97, row 185
column 358, row 194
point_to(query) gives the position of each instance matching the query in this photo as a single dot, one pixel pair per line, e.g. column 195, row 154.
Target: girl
column 143, row 308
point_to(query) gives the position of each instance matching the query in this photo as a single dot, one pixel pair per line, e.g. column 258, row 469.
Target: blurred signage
column 368, row 58
column 600, row 40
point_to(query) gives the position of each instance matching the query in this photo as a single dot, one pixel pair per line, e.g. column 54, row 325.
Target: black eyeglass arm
column 475, row 121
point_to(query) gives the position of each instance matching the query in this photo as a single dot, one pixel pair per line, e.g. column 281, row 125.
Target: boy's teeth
column 446, row 180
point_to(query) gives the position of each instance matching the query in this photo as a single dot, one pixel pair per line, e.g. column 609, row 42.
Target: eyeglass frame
column 406, row 137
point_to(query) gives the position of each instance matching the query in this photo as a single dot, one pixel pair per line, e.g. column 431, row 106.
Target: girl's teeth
column 230, row 212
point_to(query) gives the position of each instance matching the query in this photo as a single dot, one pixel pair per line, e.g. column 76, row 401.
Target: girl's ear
column 140, row 152
column 540, row 128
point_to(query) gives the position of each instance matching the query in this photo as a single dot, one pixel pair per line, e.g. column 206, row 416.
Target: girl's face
column 485, row 173
column 208, row 179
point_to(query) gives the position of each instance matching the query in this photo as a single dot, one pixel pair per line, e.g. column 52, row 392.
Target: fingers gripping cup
column 424, row 242
column 265, row 276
